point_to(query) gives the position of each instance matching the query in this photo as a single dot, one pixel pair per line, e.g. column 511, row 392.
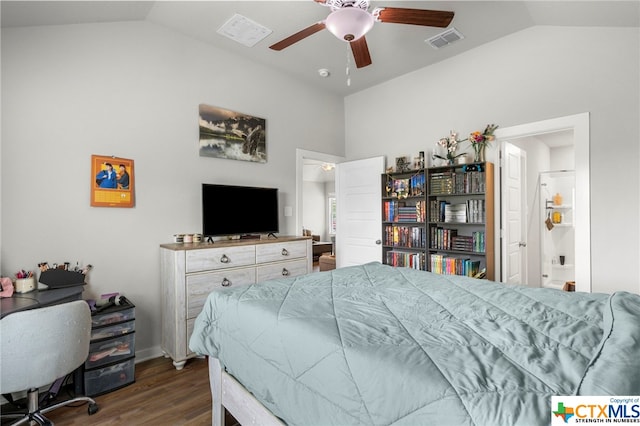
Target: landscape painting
column 232, row 135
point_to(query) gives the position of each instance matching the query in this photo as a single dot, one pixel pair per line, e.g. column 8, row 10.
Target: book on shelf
column 472, row 211
column 405, row 259
column 451, row 265
column 390, row 210
column 455, row 213
column 404, row 236
column 457, row 182
column 441, row 183
column 400, row 211
column 476, row 210
column 416, row 185
column 442, row 238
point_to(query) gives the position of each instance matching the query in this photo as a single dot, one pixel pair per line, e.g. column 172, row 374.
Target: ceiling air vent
column 445, row 38
column 243, row 30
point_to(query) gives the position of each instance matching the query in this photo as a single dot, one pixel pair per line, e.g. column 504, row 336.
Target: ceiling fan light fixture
column 349, row 23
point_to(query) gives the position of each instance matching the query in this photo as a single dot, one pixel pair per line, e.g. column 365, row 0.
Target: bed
column 376, row 345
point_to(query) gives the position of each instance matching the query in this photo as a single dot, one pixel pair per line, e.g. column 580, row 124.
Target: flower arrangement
column 480, row 140
column 450, row 143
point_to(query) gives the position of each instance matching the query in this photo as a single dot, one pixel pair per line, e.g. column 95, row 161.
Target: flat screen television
column 238, row 210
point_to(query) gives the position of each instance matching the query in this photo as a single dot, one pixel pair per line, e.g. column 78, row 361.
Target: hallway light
column 327, row 167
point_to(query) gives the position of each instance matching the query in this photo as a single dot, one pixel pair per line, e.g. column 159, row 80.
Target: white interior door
column 359, row 217
column 514, row 234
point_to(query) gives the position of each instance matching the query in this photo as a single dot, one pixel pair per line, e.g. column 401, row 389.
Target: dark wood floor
column 161, row 395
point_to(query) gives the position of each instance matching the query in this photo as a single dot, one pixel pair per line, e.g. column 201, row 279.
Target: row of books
column 448, row 239
column 457, row 182
column 398, row 211
column 408, row 187
column 450, row 265
column 471, row 211
column 405, row 259
column 405, row 236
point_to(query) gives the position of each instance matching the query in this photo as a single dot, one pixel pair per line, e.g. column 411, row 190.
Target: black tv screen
column 238, row 210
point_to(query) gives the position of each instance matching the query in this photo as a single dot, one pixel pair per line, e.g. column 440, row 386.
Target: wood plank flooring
column 161, row 395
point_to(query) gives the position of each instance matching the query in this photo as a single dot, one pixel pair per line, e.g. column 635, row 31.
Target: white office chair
column 39, row 346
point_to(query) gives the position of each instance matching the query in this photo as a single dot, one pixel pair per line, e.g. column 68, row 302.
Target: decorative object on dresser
column 189, row 272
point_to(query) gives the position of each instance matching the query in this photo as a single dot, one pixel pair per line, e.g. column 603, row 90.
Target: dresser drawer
column 280, row 251
column 200, row 285
column 219, row 258
column 281, row 270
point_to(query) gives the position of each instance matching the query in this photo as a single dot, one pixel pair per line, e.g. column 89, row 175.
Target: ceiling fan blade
column 427, row 18
column 361, row 52
column 310, row 30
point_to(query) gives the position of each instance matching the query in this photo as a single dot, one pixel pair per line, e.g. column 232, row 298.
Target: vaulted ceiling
column 396, row 49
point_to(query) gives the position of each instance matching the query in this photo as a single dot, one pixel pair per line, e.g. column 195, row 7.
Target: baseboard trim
column 149, row 353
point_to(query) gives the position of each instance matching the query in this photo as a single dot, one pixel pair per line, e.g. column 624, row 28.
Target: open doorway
column 531, row 243
column 315, row 200
column 552, row 145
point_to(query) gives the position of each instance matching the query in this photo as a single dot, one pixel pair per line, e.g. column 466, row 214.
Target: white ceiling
column 396, row 49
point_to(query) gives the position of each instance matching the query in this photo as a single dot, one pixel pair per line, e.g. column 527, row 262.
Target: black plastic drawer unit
column 111, row 361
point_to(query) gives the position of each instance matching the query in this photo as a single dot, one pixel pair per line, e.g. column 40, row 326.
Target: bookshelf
column 404, row 214
column 460, row 219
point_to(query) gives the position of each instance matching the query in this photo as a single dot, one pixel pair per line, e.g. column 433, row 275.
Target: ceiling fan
column 350, row 20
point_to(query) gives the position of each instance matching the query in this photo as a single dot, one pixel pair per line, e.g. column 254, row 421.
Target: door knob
column 522, row 244
column 378, row 242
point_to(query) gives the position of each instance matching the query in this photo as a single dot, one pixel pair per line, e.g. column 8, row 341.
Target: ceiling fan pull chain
column 347, row 70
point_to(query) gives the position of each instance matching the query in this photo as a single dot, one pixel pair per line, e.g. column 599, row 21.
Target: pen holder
column 25, row 285
column 56, row 278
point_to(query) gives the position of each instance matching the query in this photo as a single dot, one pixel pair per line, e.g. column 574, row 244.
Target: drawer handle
column 224, row 259
column 285, row 272
column 226, row 282
column 285, row 252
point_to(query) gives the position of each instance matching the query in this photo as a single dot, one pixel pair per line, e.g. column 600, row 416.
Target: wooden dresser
column 189, row 272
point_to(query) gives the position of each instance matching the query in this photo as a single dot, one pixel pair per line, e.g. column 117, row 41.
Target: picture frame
column 402, row 164
column 112, row 181
column 232, row 135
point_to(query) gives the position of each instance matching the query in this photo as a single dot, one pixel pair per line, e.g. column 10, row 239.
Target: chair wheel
column 93, row 408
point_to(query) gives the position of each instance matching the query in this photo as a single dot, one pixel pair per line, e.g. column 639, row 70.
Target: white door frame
column 579, row 123
column 301, row 155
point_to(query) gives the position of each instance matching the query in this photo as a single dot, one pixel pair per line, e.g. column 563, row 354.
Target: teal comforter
column 375, row 345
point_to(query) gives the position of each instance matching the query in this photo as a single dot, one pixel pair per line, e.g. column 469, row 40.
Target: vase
column 478, row 151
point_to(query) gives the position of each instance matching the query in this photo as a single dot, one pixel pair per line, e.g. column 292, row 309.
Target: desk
column 38, row 299
column 319, row 248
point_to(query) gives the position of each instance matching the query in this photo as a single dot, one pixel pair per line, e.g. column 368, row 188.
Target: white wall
column 536, row 74
column 132, row 90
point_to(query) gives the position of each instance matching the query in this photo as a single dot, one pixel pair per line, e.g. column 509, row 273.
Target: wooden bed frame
column 228, row 394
